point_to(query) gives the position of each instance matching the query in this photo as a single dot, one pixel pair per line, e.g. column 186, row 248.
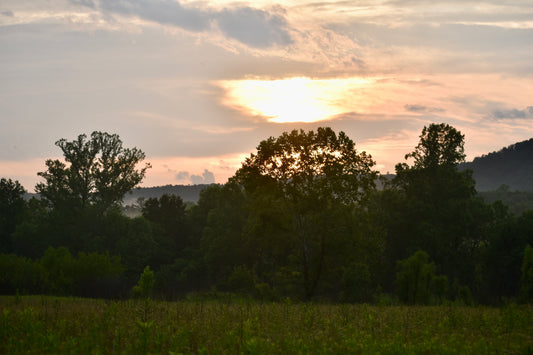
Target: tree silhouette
column 96, row 172
column 312, row 175
column 11, row 208
column 437, row 208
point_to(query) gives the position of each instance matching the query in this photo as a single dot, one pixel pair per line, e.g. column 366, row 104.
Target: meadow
column 55, row 325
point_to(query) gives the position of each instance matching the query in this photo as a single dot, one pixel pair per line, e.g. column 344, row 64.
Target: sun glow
column 291, row 100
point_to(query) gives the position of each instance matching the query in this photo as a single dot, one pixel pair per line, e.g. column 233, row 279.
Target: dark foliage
column 301, row 219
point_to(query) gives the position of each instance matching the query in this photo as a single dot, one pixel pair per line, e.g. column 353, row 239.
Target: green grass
column 42, row 324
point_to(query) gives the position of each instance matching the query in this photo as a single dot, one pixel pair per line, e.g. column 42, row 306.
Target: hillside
column 189, row 193
column 511, row 166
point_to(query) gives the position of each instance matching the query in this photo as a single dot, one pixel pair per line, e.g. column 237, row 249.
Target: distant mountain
column 511, row 166
column 188, row 193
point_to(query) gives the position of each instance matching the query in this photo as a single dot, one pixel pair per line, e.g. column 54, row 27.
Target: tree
column 434, row 176
column 168, row 216
column 433, row 206
column 145, row 285
column 416, row 280
column 439, row 145
column 11, row 207
column 217, row 242
column 507, row 252
column 309, row 176
column 527, row 275
column 96, row 172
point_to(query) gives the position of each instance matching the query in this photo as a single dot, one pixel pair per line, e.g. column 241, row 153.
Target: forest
column 302, row 219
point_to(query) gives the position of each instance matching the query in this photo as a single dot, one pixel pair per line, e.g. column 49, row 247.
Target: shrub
column 416, row 280
column 19, row 274
column 526, row 289
column 145, row 285
column 414, row 277
column 61, row 267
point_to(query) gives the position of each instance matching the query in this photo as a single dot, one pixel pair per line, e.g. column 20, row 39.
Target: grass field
column 53, row 325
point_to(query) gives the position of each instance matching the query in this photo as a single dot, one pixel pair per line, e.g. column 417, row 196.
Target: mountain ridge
column 511, row 166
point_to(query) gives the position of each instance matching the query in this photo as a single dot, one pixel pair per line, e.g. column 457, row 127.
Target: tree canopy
column 11, row 208
column 319, row 165
column 439, row 145
column 434, row 205
column 310, row 175
column 96, row 171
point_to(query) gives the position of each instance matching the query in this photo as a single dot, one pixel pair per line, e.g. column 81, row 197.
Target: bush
column 414, row 277
column 61, row 267
column 19, row 274
column 416, row 280
column 356, row 284
column 97, row 275
column 144, row 287
column 526, row 289
column 241, row 280
column 59, row 273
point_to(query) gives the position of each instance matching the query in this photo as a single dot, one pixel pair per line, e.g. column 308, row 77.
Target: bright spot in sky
column 291, row 100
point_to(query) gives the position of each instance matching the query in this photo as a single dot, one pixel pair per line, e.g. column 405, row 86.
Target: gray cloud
column 7, row 13
column 165, row 12
column 252, row 27
column 423, row 109
column 183, row 175
column 513, row 113
column 207, row 177
column 88, row 3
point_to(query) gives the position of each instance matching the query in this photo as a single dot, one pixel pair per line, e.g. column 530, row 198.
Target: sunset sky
column 197, row 85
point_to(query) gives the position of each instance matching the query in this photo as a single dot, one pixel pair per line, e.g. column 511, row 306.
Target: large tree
column 439, row 145
column 11, row 207
column 433, row 206
column 96, row 171
column 309, row 176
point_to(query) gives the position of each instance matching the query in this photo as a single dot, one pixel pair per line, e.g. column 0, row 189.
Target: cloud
column 422, row 109
column 513, row 113
column 183, row 175
column 252, row 27
column 207, row 177
column 89, row 3
column 165, row 12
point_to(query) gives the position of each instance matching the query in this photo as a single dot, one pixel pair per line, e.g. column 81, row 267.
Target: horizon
column 204, row 183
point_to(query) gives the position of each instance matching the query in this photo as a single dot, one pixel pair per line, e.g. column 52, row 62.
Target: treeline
column 188, row 193
column 302, row 218
column 518, row 202
column 58, row 272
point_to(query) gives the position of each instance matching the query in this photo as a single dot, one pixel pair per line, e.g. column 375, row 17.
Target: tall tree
column 435, row 206
column 11, row 207
column 310, row 175
column 439, row 145
column 96, row 171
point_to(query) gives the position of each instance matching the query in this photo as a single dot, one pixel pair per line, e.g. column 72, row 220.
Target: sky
column 196, row 85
